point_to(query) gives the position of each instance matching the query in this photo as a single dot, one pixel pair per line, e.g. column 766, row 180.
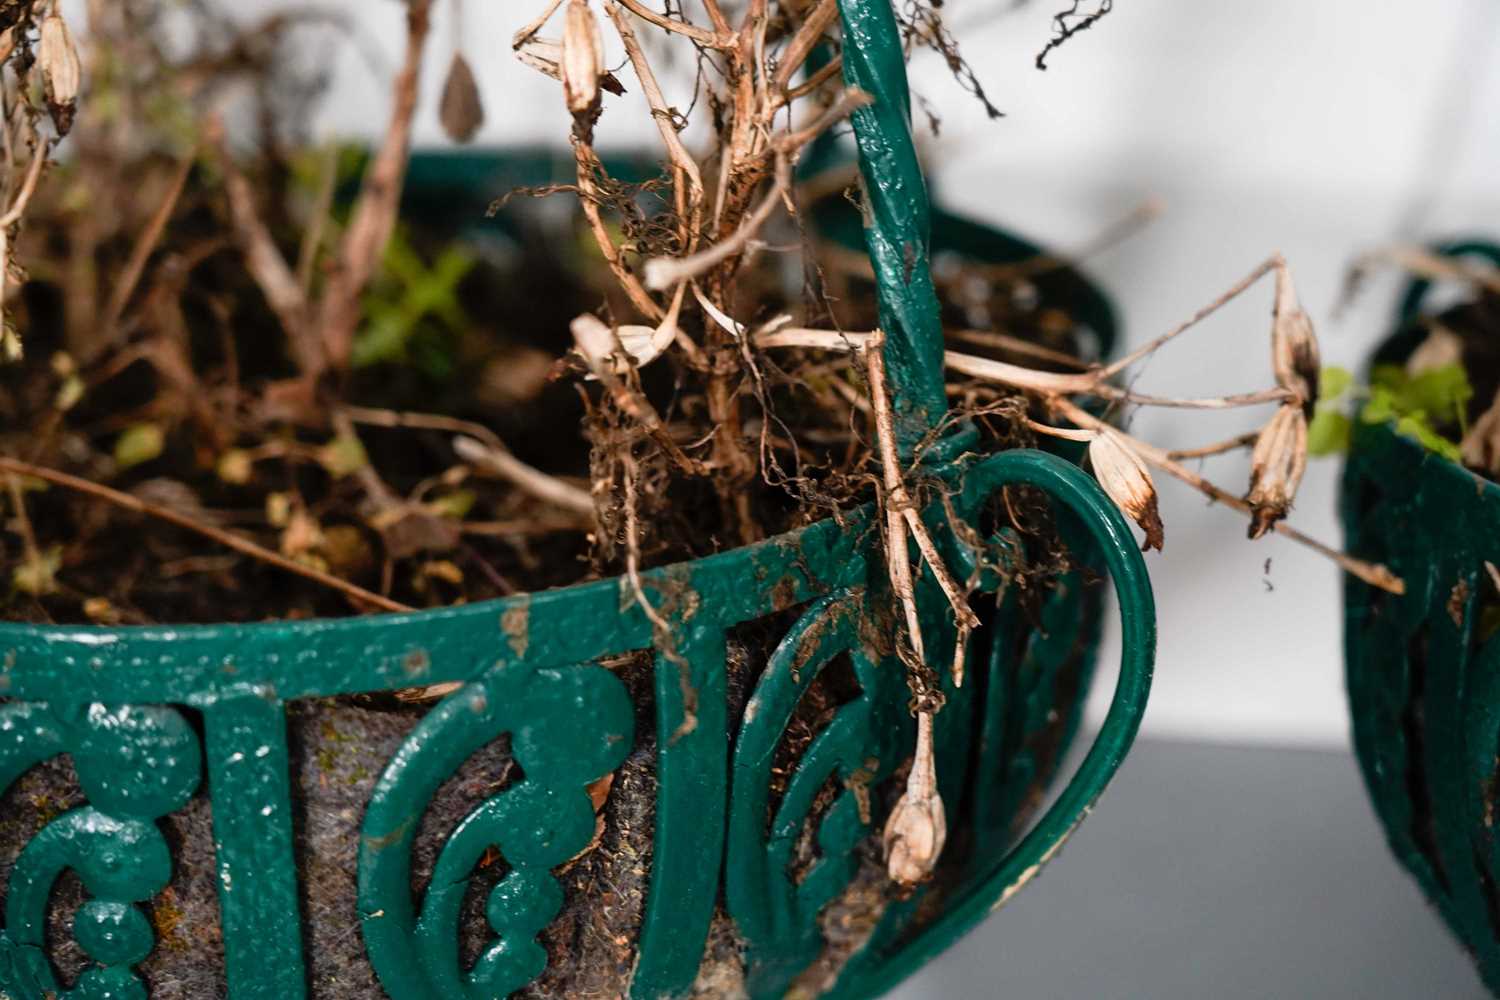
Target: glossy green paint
column 1423, row 669
column 529, row 669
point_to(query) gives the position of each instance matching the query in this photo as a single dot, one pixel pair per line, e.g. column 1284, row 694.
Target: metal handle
column 1067, row 484
column 897, row 220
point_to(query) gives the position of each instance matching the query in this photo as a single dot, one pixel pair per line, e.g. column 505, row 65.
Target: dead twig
column 219, row 535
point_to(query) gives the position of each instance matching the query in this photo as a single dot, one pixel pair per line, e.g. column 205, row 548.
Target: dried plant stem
column 317, row 223
column 29, row 546
column 897, row 559
column 1019, row 345
column 528, row 479
column 1425, row 263
column 664, row 272
column 902, row 515
column 1374, row 574
column 659, row 625
column 16, row 210
column 373, row 216
column 225, row 538
column 683, row 27
column 1140, row 216
column 1090, row 383
column 141, row 252
column 1245, row 440
column 480, row 446
column 681, row 160
column 589, row 199
column 1272, row 263
column 263, row 260
column 530, row 29
column 801, row 45
column 812, row 83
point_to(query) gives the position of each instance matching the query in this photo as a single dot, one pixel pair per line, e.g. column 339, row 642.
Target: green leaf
column 1444, row 392
column 37, row 575
column 138, row 443
column 455, row 505
column 1328, row 434
column 1380, row 407
column 343, row 455
column 1333, row 382
column 1416, row 427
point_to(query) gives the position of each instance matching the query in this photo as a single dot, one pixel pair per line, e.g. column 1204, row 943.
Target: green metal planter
column 156, row 718
column 1424, row 668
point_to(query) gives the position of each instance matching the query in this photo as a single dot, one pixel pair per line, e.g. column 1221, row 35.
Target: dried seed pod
column 57, row 56
column 543, row 55
column 1294, row 345
column 582, row 57
column 7, row 43
column 595, row 340
column 1276, row 467
column 1127, row 481
column 460, row 109
column 917, row 828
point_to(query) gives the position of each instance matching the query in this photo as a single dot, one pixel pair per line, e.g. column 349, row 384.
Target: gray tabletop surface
column 1215, row 872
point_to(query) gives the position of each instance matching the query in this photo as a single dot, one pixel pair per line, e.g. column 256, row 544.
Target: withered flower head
column 582, row 57
column 58, row 58
column 595, row 340
column 1294, row 345
column 1276, row 467
column 460, row 109
column 917, row 828
column 1125, row 478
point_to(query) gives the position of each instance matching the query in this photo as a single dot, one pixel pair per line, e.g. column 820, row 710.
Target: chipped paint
column 515, row 622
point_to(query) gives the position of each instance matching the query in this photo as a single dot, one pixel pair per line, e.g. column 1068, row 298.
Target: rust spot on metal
column 386, row 840
column 516, row 624
column 784, row 594
column 858, row 784
column 416, row 663
column 1458, row 598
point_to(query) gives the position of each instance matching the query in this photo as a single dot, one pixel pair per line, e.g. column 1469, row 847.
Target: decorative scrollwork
column 777, row 916
column 135, row 765
column 568, row 726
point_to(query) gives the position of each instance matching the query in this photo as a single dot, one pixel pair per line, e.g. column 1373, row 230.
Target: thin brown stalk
column 683, row 27
column 1245, row 440
column 526, row 478
column 219, row 535
column 1261, row 270
column 895, row 489
column 317, row 223
column 532, row 27
column 664, row 272
column 682, row 161
column 902, row 516
column 803, row 42
column 374, row 214
column 263, row 260
column 812, row 83
column 28, row 185
column 1018, row 345
column 145, row 245
column 1117, row 232
column 589, row 199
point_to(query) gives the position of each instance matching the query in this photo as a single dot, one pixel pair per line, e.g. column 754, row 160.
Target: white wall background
column 1317, row 129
